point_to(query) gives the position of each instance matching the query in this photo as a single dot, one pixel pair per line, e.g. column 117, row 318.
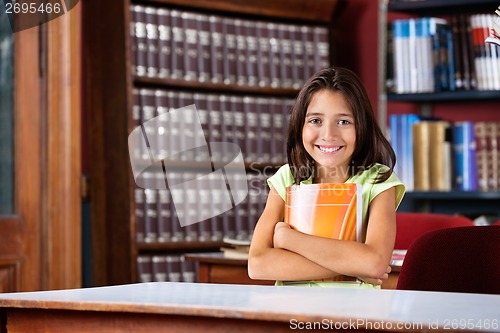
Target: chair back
column 462, row 259
column 410, row 226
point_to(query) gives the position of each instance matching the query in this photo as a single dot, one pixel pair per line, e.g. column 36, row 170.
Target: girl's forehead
column 326, row 101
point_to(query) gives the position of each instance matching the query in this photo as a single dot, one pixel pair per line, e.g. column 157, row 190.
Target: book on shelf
column 494, row 35
column 325, row 210
column 235, row 248
column 398, row 257
column 178, row 44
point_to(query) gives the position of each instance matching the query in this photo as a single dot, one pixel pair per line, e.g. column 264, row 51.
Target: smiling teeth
column 328, row 150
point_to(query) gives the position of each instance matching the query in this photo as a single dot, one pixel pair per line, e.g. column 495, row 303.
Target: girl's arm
column 270, row 263
column 369, row 259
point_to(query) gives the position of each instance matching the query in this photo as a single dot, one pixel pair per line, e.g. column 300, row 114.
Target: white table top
column 394, row 309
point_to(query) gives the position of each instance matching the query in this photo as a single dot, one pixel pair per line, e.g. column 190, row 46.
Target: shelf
column 453, row 195
column 313, row 11
column 212, row 87
column 444, row 7
column 446, row 96
column 178, row 246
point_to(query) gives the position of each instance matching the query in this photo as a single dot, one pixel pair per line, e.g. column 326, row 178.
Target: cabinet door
column 40, row 156
column 20, row 156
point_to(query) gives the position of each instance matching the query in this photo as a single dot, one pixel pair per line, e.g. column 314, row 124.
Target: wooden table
column 197, row 307
column 215, row 268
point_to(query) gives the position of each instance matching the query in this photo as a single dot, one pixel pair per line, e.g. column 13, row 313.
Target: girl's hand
column 377, row 281
column 279, row 233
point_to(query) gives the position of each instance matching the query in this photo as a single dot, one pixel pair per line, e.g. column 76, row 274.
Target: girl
column 333, row 137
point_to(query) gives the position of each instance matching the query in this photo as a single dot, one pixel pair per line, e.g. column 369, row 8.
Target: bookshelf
column 448, row 104
column 119, row 83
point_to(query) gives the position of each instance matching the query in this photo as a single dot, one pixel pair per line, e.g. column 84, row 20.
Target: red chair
column 410, row 226
column 463, row 259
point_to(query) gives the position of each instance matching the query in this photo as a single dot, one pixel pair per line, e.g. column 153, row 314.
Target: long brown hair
column 371, row 145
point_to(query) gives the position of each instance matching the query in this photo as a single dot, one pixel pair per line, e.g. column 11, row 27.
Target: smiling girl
column 333, row 137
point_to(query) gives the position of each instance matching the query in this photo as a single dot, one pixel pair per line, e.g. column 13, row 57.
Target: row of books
column 256, row 124
column 185, row 45
column 157, row 215
column 431, row 54
column 437, row 155
column 163, row 268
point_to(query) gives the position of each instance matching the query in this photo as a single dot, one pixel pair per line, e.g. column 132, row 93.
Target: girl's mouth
column 329, row 150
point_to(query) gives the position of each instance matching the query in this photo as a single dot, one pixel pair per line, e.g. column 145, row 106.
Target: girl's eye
column 315, row 121
column 344, row 122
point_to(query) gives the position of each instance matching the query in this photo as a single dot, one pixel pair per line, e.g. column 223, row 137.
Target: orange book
column 326, row 210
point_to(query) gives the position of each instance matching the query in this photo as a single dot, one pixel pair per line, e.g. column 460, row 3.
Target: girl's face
column 329, row 135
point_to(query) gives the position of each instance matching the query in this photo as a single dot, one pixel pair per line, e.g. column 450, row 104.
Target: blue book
column 395, row 137
column 464, row 147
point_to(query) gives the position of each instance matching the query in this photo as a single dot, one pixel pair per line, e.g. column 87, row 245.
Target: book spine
column 204, row 206
column 466, row 22
column 274, row 55
column 216, row 125
column 240, row 53
column 140, row 229
column 263, row 51
column 173, row 264
column 492, row 155
column 204, row 48
column 151, row 16
column 190, row 44
column 164, row 216
column 150, row 216
column 481, row 155
column 164, row 43
column 176, row 208
column 188, row 271
column 144, row 268
column 190, row 209
column 238, row 112
column 465, row 159
column 177, row 48
column 229, row 47
column 265, row 138
column 457, row 47
column 159, row 268
column 421, row 150
column 252, row 53
column 251, row 123
column 216, row 49
column 140, row 41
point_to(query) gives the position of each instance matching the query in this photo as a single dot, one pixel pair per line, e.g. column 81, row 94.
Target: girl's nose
column 328, row 132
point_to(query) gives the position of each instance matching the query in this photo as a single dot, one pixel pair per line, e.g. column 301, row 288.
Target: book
column 494, row 35
column 325, row 210
column 398, row 257
column 235, row 248
column 465, row 156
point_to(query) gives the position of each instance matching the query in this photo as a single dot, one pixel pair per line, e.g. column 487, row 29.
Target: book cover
column 465, row 156
column 325, row 210
column 494, row 33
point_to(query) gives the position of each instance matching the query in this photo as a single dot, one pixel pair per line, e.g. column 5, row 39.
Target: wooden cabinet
column 456, row 103
column 116, row 77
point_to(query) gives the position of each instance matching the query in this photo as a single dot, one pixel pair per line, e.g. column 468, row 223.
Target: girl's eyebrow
column 337, row 115
column 314, row 114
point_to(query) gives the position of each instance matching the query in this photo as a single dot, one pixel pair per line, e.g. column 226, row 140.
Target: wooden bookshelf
column 482, row 104
column 110, row 83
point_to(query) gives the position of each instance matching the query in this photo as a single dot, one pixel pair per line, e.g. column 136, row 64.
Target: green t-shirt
column 284, row 178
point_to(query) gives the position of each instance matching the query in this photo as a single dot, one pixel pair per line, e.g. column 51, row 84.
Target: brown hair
column 371, row 145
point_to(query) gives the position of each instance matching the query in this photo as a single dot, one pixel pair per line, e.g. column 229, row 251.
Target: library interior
column 206, row 108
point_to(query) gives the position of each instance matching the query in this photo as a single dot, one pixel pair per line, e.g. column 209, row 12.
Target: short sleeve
column 281, row 180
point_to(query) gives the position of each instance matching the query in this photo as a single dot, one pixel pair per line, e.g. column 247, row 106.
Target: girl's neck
column 336, row 174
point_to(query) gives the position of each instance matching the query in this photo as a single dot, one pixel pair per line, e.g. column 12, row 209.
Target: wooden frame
column 42, row 247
